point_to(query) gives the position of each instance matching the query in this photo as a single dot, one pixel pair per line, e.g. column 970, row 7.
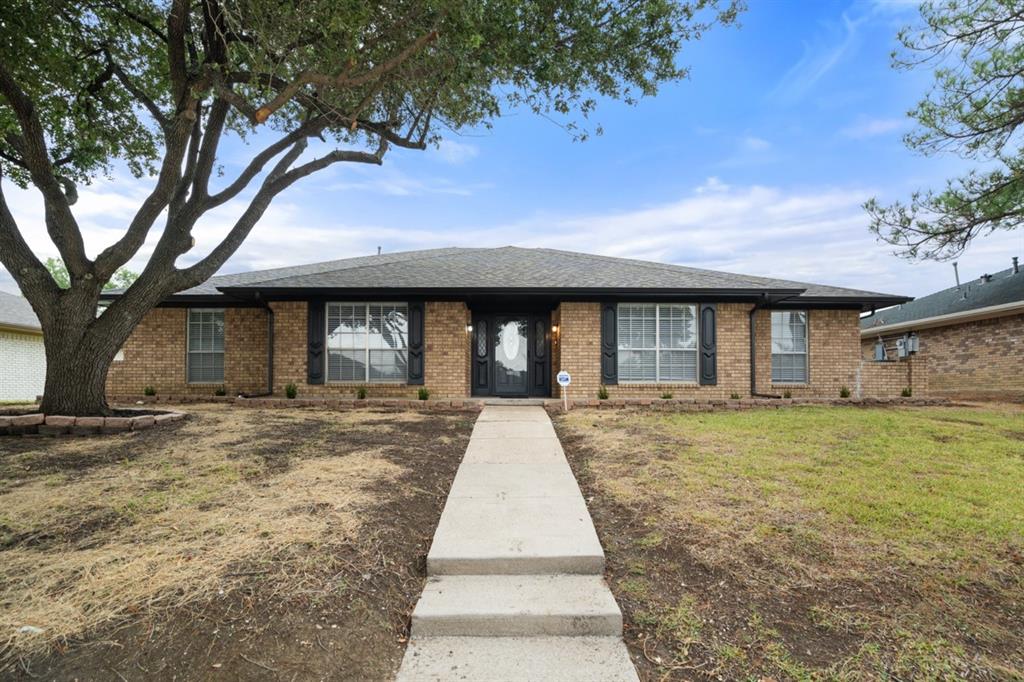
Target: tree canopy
column 975, row 110
column 155, row 85
column 122, row 279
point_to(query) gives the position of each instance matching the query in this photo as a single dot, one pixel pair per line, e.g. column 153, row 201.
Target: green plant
column 220, row 391
column 666, row 396
column 602, row 393
column 787, row 394
column 907, row 392
column 149, row 390
column 423, row 393
column 361, row 393
column 291, row 390
column 734, row 396
column 844, row 392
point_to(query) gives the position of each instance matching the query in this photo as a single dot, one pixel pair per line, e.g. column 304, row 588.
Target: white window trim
column 188, row 346
column 366, row 345
column 657, row 349
column 806, row 354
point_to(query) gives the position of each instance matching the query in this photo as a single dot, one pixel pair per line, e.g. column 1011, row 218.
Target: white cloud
column 755, row 144
column 819, row 57
column 454, row 152
column 873, row 127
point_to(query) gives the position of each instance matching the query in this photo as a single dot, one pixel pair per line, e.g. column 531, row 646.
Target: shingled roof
column 16, row 312
column 511, row 269
column 1001, row 288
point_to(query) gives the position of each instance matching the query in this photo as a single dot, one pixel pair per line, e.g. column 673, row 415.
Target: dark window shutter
column 609, row 344
column 416, row 324
column 708, row 345
column 316, row 336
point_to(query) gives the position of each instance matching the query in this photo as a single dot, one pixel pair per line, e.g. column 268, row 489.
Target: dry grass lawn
column 101, row 531
column 812, row 542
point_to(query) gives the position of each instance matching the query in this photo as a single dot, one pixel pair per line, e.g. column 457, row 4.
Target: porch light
column 554, row 329
column 469, row 328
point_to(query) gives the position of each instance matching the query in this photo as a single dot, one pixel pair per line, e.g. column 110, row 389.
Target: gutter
column 35, row 331
column 1001, row 310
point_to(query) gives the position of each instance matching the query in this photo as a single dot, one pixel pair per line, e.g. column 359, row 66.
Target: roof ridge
column 341, row 260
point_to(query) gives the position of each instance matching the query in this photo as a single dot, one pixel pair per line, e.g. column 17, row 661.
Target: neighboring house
column 22, row 355
column 971, row 336
column 500, row 322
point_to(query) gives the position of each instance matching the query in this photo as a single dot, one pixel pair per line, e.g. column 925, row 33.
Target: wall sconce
column 469, row 329
column 554, row 329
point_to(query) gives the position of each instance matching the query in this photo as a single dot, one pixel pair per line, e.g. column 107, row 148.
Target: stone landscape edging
column 357, row 403
column 718, row 404
column 37, row 423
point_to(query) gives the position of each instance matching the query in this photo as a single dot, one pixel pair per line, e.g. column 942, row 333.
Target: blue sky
column 758, row 163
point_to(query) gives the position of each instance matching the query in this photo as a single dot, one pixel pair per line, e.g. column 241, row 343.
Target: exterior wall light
column 554, row 329
column 469, row 328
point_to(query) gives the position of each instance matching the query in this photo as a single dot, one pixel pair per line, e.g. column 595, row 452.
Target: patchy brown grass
column 812, row 543
column 233, row 512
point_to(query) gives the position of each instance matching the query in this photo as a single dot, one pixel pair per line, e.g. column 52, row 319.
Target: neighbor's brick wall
column 446, row 354
column 888, row 379
column 979, row 359
column 154, row 355
column 579, row 352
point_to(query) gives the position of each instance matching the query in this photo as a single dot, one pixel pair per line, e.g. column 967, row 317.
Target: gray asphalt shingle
column 17, row 312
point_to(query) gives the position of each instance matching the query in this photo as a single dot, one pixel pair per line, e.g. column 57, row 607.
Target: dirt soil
column 776, row 611
column 282, row 545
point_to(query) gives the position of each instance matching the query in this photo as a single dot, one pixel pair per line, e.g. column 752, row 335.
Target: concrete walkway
column 514, row 588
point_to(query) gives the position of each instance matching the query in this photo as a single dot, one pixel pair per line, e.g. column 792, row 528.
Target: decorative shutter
column 415, row 350
column 315, row 337
column 708, row 346
column 609, row 344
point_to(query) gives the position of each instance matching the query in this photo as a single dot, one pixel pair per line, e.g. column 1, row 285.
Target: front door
column 511, row 355
column 511, row 366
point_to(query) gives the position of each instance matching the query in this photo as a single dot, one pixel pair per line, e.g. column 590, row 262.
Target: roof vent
column 986, row 278
column 1016, row 266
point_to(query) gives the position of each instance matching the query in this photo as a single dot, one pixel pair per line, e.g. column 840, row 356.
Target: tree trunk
column 76, row 379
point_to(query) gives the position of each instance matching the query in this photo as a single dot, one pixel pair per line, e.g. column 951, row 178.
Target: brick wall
column 833, row 338
column 889, row 379
column 154, row 355
column 978, row 359
column 446, row 354
column 22, row 365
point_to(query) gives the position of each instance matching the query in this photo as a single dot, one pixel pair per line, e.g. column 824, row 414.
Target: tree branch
column 30, row 274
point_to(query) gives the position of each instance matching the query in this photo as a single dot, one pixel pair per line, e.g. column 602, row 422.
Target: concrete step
column 516, row 605
column 517, row 659
column 515, row 535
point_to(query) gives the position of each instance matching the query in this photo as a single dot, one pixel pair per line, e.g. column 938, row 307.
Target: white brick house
column 22, row 356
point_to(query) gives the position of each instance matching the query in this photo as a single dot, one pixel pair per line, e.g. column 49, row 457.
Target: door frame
column 538, row 356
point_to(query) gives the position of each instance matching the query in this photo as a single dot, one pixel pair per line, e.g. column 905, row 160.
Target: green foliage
column 148, row 390
column 602, row 393
column 666, row 396
column 734, row 396
column 787, row 394
column 844, row 392
column 447, row 62
column 122, row 279
column 423, row 393
column 220, row 391
column 975, row 110
column 361, row 393
column 907, row 392
column 290, row 391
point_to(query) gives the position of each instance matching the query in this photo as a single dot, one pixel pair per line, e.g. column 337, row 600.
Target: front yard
column 239, row 544
column 812, row 542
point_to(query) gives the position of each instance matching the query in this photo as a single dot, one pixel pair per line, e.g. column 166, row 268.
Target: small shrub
column 734, row 396
column 907, row 392
column 666, row 396
column 602, row 393
column 291, row 390
column 220, row 391
column 787, row 394
column 423, row 393
column 149, row 390
column 361, row 392
column 844, row 392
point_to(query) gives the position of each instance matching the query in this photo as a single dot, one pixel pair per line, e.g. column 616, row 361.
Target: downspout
column 753, row 351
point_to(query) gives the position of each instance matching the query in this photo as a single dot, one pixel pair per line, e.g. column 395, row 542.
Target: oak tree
column 90, row 86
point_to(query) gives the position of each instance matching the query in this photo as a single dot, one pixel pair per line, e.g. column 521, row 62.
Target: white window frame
column 366, row 344
column 805, row 354
column 657, row 346
column 188, row 347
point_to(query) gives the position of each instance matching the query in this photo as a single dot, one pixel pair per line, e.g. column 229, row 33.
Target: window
column 789, row 346
column 657, row 343
column 205, row 346
column 367, row 342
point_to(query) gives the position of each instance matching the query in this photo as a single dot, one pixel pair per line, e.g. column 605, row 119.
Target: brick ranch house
column 970, row 336
column 502, row 322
